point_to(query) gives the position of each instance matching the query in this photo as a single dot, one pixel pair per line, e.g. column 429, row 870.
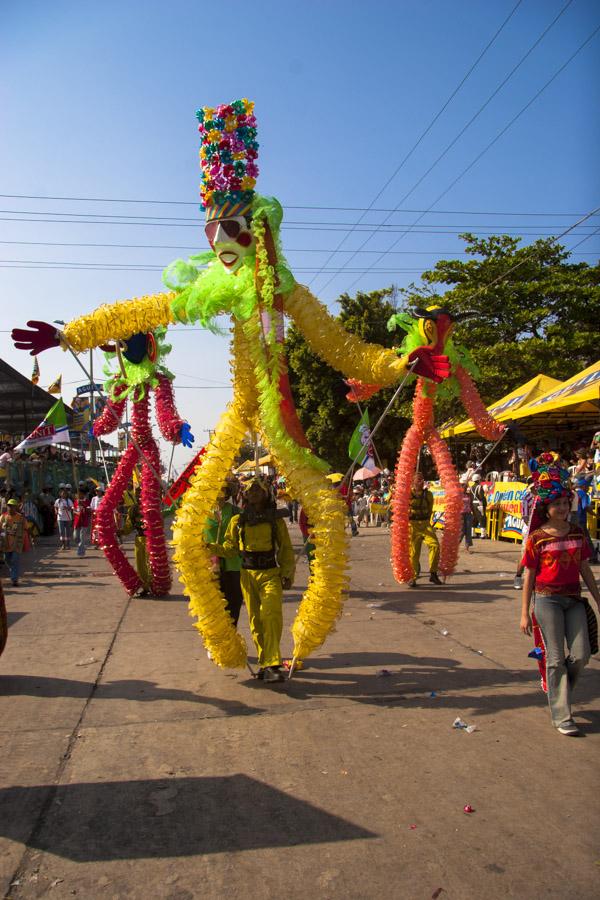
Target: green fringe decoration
column 140, row 376
column 456, row 353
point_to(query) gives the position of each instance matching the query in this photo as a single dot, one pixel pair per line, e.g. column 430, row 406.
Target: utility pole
column 92, row 411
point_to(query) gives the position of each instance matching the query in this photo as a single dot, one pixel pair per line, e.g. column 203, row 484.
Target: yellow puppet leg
column 141, row 560
column 430, row 538
column 416, row 534
column 263, row 596
column 192, row 557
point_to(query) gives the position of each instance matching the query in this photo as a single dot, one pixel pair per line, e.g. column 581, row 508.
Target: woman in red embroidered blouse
column 556, row 555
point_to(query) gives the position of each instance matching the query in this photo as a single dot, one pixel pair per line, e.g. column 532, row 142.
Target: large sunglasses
column 232, row 227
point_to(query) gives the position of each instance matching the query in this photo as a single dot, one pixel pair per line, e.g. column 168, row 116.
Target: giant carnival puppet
column 247, row 278
column 426, row 326
column 431, row 327
column 140, row 372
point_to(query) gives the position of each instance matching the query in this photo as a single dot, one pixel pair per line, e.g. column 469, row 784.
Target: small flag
column 358, row 448
column 35, row 375
column 56, row 386
column 53, row 430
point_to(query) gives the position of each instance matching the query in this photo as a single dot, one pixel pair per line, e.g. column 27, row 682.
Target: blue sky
column 98, row 101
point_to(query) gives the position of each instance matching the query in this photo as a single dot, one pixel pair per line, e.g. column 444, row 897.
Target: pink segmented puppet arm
column 169, row 420
column 484, row 423
column 108, row 420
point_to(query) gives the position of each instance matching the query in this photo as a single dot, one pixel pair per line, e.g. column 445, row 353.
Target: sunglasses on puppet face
column 231, row 239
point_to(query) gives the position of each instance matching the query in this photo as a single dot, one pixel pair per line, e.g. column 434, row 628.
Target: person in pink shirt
column 555, row 557
column 82, row 520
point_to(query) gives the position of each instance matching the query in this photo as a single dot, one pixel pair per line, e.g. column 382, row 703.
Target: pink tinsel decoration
column 484, row 423
column 168, row 420
column 106, row 525
column 142, row 450
column 423, row 432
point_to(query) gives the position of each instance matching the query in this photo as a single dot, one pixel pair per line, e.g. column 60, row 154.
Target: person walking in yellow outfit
column 261, row 537
column 421, row 529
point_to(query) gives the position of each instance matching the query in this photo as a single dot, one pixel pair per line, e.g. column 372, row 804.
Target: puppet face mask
column 231, row 240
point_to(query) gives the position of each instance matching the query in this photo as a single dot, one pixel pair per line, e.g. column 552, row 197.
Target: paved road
column 130, row 767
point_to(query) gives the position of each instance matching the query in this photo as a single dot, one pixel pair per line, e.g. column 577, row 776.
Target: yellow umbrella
column 335, row 477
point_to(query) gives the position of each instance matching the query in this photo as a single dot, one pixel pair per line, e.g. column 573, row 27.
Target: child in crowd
column 556, row 555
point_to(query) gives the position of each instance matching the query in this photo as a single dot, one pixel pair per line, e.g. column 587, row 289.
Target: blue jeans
column 563, row 621
column 12, row 558
column 82, row 536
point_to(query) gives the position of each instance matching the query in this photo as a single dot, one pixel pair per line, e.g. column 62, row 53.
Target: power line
column 317, row 226
column 429, row 127
column 533, row 252
column 494, row 140
column 587, row 236
column 473, row 118
column 303, row 223
column 179, row 247
column 289, row 206
column 151, row 269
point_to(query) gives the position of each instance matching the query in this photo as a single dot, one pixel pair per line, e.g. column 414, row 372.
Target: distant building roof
column 23, row 404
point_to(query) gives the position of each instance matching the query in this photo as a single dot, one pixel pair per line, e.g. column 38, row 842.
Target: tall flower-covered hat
column 228, row 155
column 551, row 480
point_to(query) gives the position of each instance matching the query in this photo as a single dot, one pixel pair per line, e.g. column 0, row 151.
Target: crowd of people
column 25, row 517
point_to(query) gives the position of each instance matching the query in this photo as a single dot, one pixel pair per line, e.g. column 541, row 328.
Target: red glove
column 42, row 337
column 430, row 364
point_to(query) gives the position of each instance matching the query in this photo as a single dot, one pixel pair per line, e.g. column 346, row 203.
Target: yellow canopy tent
column 575, row 403
column 505, row 408
column 248, row 466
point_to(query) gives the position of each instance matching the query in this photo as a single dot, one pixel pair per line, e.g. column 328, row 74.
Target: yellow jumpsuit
column 262, row 588
column 421, row 529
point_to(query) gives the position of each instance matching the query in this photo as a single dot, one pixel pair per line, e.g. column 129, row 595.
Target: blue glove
column 185, row 435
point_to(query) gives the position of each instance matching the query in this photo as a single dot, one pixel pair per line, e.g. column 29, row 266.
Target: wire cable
column 287, row 206
column 424, row 134
column 491, row 144
column 288, row 250
column 473, row 118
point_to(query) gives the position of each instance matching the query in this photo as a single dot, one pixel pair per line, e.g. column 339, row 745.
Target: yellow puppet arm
column 119, row 321
column 343, row 351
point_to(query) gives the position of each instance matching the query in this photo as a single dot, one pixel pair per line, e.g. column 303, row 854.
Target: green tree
column 540, row 317
column 320, row 392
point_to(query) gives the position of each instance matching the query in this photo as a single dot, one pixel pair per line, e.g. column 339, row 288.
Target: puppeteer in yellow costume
column 261, row 538
column 247, row 277
column 421, row 530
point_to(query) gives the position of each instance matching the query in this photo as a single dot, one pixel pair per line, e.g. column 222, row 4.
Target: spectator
column 12, row 532
column 478, row 504
column 292, row 506
column 556, row 557
column 361, row 507
column 467, row 518
column 64, row 518
column 81, row 520
column 580, row 503
column 94, row 506
column 347, row 495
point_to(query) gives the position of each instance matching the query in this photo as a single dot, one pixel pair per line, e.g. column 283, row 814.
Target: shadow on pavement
column 168, row 817
column 411, row 681
column 126, row 689
column 407, row 600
